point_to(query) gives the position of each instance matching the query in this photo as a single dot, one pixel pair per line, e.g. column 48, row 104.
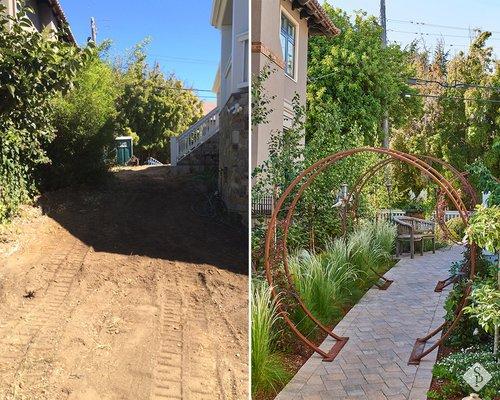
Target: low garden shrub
column 453, row 367
column 81, row 151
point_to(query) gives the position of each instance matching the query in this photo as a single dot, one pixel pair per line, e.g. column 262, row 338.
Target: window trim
column 295, row 23
column 243, row 38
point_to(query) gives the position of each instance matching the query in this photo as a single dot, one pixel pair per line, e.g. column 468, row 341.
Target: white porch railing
column 386, row 215
column 197, row 134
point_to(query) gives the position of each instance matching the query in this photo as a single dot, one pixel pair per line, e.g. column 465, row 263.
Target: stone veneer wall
column 233, row 155
column 207, row 154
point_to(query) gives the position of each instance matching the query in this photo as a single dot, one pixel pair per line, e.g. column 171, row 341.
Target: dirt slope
column 123, row 292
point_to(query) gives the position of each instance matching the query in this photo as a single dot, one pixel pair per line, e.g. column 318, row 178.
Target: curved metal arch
column 281, row 256
column 365, row 177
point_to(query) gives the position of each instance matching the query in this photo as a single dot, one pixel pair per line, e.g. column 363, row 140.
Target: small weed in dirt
column 30, row 294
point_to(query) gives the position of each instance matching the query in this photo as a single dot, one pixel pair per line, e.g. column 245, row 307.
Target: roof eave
column 317, row 14
column 61, row 17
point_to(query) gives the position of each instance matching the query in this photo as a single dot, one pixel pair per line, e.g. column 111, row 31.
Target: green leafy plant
column 268, row 371
column 485, row 305
column 453, row 367
column 261, row 99
column 456, row 227
column 484, row 228
column 484, row 180
column 34, row 68
column 84, row 120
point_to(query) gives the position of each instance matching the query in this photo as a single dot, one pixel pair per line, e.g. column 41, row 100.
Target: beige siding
column 42, row 17
column 266, row 25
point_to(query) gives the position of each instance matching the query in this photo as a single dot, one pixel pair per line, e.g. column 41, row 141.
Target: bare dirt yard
column 123, row 292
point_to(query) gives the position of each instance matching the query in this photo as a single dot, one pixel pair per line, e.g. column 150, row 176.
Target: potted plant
column 414, row 209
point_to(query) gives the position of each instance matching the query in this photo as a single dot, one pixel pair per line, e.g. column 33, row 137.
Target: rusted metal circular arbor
column 276, row 252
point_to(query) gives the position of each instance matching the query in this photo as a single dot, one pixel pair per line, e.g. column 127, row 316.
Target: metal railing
column 262, row 206
column 191, row 139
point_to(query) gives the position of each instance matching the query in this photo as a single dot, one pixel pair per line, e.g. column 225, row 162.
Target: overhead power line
column 457, row 85
column 435, row 96
column 461, row 28
column 435, row 34
column 184, row 59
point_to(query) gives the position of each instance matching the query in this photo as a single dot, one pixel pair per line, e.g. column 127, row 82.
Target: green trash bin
column 124, row 149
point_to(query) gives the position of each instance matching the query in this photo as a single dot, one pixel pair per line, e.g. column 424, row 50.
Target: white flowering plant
column 453, row 367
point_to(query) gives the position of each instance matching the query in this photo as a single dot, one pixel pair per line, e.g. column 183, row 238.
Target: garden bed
column 330, row 283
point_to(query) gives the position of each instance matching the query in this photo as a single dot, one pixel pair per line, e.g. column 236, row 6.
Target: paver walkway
column 382, row 329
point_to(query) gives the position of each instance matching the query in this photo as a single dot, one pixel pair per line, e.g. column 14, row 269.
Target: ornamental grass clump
column 318, row 288
column 328, row 281
column 370, row 247
column 268, row 372
column 384, row 238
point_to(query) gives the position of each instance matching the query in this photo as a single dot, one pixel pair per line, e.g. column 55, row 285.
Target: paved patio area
column 382, row 329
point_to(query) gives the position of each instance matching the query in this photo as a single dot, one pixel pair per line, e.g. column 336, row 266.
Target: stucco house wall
column 308, row 18
column 266, row 50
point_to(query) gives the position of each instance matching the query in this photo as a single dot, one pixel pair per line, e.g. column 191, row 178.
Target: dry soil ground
column 122, row 292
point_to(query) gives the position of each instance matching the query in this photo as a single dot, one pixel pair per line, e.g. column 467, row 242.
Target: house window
column 288, row 35
column 245, row 61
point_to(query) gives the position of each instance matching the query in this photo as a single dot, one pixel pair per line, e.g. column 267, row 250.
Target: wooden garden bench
column 414, row 230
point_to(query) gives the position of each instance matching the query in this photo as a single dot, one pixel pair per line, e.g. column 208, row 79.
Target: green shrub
column 84, row 122
column 467, row 332
column 453, row 367
column 268, row 371
column 456, row 227
column 484, row 228
column 485, row 305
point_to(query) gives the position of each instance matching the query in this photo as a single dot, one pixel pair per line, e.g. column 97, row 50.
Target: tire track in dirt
column 230, row 371
column 12, row 313
column 31, row 342
column 169, row 371
column 187, row 366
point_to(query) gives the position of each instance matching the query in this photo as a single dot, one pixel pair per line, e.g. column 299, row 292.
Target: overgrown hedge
column 33, row 69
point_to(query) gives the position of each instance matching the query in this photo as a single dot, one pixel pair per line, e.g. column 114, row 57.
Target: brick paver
column 382, row 329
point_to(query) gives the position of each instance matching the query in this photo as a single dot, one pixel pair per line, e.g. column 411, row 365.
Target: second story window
column 288, row 35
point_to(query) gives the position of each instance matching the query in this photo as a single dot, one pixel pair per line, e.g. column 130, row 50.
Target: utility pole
column 383, row 23
column 93, row 30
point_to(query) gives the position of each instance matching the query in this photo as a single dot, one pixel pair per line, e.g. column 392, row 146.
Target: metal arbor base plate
column 384, row 285
column 335, row 350
column 418, row 349
column 440, row 286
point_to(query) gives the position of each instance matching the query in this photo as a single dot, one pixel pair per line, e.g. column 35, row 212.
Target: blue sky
column 183, row 41
column 463, row 14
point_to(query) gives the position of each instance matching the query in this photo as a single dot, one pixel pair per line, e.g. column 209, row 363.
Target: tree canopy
column 459, row 123
column 154, row 106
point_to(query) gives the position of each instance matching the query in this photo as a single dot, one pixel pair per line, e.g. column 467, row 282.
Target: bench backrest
column 407, row 225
